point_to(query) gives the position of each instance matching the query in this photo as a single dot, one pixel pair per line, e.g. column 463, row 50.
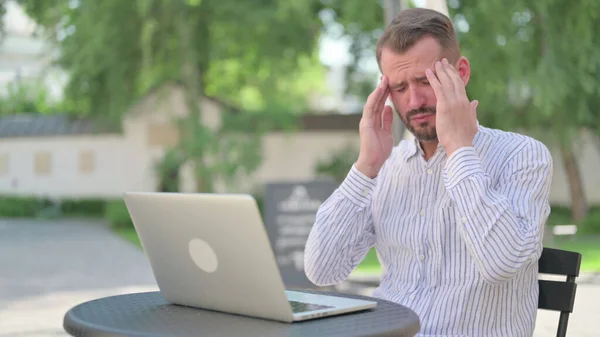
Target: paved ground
column 46, row 267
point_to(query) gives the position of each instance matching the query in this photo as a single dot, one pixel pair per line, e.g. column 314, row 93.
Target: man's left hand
column 456, row 116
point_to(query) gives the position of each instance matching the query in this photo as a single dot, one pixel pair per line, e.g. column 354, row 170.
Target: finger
column 381, row 103
column 458, row 83
column 434, row 82
column 387, row 119
column 375, row 98
column 444, row 74
column 384, row 95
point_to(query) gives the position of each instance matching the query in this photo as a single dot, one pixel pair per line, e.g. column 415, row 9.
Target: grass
column 370, row 264
column 130, row 235
column 588, row 246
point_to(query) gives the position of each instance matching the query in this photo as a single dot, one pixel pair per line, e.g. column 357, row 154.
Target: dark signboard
column 290, row 210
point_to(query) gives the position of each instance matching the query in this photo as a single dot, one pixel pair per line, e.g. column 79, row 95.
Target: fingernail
column 445, row 60
column 428, row 71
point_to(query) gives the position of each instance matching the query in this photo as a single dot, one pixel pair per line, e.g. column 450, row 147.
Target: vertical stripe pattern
column 458, row 237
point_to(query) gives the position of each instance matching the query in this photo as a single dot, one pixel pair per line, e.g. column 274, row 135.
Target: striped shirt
column 458, row 238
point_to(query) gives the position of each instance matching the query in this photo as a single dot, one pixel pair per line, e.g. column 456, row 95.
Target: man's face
column 410, row 91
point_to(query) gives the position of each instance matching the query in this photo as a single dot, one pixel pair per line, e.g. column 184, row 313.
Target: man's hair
column 413, row 24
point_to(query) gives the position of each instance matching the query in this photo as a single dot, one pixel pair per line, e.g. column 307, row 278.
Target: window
column 163, row 135
column 42, row 163
column 86, row 161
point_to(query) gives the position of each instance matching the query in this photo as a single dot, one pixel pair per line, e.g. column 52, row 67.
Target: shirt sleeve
column 501, row 222
column 343, row 231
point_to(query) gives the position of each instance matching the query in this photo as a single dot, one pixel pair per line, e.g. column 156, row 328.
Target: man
column 457, row 214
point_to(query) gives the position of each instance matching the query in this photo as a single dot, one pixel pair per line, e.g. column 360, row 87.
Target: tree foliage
column 30, row 97
column 534, row 64
column 258, row 56
column 246, row 53
column 360, row 23
column 536, row 67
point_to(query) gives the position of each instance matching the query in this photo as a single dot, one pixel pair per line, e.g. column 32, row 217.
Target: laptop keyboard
column 303, row 307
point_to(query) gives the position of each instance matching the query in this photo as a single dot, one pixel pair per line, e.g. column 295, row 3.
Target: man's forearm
column 342, row 233
column 501, row 227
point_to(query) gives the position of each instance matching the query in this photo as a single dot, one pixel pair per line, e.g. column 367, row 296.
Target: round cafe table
column 148, row 314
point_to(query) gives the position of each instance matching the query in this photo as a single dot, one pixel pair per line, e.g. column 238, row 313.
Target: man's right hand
column 376, row 138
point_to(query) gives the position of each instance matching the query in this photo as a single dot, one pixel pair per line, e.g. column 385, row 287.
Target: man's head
column 413, row 41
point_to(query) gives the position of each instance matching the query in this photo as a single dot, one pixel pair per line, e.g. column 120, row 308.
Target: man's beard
column 426, row 132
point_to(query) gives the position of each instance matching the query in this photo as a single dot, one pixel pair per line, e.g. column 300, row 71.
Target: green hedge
column 113, row 211
column 84, row 207
column 17, row 207
column 38, row 207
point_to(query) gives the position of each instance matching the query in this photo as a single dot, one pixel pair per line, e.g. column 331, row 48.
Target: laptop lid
column 210, row 251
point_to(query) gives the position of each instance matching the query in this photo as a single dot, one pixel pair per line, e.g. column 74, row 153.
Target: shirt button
column 411, row 297
column 464, row 220
column 422, row 212
column 430, row 171
column 421, row 257
column 365, row 192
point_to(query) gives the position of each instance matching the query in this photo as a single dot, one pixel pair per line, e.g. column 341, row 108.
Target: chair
column 558, row 295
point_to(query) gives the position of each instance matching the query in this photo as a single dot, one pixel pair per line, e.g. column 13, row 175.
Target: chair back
column 559, row 295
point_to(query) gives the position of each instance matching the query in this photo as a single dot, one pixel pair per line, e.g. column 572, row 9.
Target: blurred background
column 263, row 97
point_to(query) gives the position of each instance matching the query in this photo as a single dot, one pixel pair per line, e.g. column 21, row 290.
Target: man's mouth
column 422, row 117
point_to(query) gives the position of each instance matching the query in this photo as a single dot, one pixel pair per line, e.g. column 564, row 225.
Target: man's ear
column 464, row 69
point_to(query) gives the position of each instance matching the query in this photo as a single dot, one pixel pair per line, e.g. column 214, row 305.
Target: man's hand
column 456, row 116
column 376, row 138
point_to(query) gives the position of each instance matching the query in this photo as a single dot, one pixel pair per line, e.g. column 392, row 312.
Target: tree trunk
column 191, row 76
column 579, row 206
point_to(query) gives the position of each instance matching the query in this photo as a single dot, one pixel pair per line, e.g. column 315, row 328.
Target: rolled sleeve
column 357, row 187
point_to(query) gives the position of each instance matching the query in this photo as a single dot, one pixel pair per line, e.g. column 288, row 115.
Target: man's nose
column 416, row 99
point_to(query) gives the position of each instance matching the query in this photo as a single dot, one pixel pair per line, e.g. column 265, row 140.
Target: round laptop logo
column 203, row 255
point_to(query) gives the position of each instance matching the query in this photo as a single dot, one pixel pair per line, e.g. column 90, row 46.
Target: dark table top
column 148, row 314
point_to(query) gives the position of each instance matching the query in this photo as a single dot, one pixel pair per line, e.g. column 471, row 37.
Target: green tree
column 258, row 56
column 360, row 23
column 535, row 67
column 336, row 165
column 30, row 97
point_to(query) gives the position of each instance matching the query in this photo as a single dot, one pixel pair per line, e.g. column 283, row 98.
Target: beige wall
column 293, row 157
column 51, row 166
column 109, row 165
column 121, row 163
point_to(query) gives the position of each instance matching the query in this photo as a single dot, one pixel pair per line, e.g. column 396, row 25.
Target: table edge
column 72, row 323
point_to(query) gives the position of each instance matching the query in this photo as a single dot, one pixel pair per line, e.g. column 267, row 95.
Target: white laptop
column 212, row 251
